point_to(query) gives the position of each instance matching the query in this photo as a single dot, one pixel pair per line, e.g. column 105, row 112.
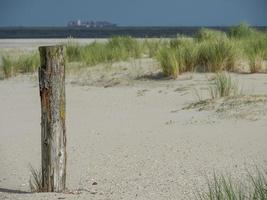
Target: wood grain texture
column 53, row 129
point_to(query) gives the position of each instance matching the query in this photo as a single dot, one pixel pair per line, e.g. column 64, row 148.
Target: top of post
column 51, row 50
column 60, row 46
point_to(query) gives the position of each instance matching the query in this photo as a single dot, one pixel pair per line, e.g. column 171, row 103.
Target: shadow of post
column 5, row 190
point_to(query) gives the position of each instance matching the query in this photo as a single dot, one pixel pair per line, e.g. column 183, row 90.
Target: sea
column 82, row 32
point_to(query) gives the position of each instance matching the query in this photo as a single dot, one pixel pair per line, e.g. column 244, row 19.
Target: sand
column 33, row 44
column 137, row 139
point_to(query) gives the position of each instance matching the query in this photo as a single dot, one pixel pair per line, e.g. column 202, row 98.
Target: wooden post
column 53, row 131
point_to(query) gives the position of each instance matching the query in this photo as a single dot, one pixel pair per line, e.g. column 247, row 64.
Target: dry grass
column 35, row 181
column 244, row 107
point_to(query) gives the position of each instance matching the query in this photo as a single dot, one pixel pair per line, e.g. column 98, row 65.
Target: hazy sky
column 133, row 12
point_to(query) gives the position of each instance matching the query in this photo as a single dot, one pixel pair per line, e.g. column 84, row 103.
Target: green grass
column 179, row 57
column 93, row 54
column 207, row 55
column 115, row 49
column 8, row 67
column 27, row 63
column 223, row 86
column 209, row 51
column 168, row 62
column 217, row 55
column 254, row 187
column 124, row 48
column 152, row 47
column 240, row 31
column 73, row 51
column 205, row 34
column 214, row 51
column 255, row 50
column 186, row 53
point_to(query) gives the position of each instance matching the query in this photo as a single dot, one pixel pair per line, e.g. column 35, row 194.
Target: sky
column 134, row 12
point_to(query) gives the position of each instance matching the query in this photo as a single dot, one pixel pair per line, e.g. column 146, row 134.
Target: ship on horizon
column 91, row 24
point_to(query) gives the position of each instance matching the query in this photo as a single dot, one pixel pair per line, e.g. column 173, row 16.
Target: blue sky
column 133, row 12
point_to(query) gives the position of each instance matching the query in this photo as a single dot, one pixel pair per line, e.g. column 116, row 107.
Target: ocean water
column 77, row 32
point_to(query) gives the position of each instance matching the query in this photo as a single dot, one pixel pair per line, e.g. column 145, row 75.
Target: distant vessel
column 91, row 24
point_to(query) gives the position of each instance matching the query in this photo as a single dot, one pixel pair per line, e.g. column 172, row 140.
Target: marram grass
column 214, row 51
column 209, row 51
column 223, row 86
column 27, row 63
column 168, row 61
column 221, row 187
column 217, row 55
column 115, row 49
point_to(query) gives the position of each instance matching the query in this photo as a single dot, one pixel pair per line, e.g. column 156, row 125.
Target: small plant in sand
column 223, row 86
column 35, row 181
column 225, row 188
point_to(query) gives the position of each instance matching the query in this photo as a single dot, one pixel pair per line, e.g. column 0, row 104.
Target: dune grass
column 186, row 53
column 240, row 31
column 209, row 56
column 205, row 34
column 255, row 50
column 209, row 51
column 73, row 51
column 115, row 49
column 217, row 55
column 222, row 187
column 223, row 86
column 168, row 62
column 13, row 65
column 214, row 51
column 152, row 47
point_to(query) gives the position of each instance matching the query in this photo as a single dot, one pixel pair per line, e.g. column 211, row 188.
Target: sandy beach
column 132, row 134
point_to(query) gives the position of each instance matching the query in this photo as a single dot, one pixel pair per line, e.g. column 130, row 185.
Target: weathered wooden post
column 53, row 131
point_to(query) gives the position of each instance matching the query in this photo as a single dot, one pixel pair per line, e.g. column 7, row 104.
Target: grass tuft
column 116, row 49
column 35, row 181
column 168, row 62
column 256, row 51
column 225, row 188
column 217, row 55
column 205, row 34
column 73, row 51
column 223, row 86
column 186, row 53
column 240, row 31
column 8, row 67
column 27, row 63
